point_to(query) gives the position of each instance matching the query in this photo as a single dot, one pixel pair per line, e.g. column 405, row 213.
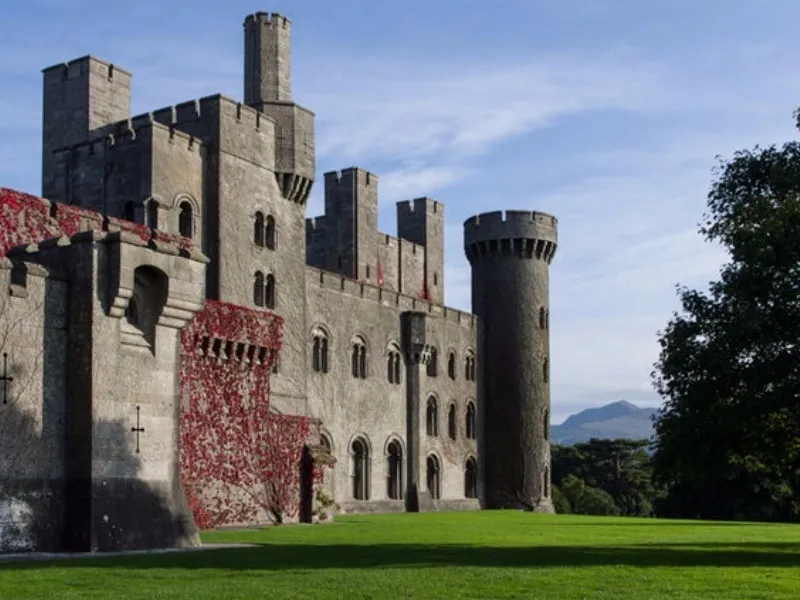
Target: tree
column 728, row 433
column 620, row 467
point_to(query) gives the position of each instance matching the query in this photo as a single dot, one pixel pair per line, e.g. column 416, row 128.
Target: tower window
column 470, row 421
column 319, row 355
column 269, row 232
column 185, row 220
column 432, row 366
column 258, row 230
column 358, row 358
column 451, row 421
column 258, row 289
column 269, row 292
column 393, row 362
column 432, row 418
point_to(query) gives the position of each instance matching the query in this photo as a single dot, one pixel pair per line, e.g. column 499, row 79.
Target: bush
column 560, row 502
column 595, row 501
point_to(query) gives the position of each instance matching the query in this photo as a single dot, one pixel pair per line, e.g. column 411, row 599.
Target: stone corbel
column 419, row 354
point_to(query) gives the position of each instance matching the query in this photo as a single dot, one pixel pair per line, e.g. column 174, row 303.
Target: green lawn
column 482, row 555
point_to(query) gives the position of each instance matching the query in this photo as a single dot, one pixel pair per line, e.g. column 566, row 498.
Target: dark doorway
column 306, row 486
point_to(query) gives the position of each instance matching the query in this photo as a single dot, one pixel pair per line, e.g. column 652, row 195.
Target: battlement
column 129, row 132
column 519, row 233
column 268, row 19
column 420, row 205
column 355, row 174
column 199, row 109
column 78, row 67
column 402, row 302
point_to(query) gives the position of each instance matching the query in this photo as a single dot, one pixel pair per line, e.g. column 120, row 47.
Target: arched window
column 469, row 367
column 433, row 360
column 276, row 365
column 451, row 365
column 546, row 424
column 185, row 220
column 470, row 421
column 319, row 354
column 545, row 370
column 432, row 417
column 547, row 319
column 269, row 232
column 128, row 212
column 542, row 318
column 451, row 421
column 358, row 358
column 325, row 442
column 361, row 471
column 152, row 214
column 147, row 303
column 471, row 478
column 258, row 289
column 258, row 230
column 546, row 483
column 393, row 362
column 269, row 292
column 394, row 471
column 433, row 477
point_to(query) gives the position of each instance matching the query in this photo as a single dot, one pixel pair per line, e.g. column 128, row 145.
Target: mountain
column 616, row 420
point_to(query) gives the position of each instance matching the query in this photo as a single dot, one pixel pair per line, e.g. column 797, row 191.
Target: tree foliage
column 728, row 433
column 620, row 468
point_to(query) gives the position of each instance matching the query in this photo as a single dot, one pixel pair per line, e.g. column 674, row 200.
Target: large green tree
column 728, row 434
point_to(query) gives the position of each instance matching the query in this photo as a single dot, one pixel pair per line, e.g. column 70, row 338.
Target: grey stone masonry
column 424, row 407
column 510, row 254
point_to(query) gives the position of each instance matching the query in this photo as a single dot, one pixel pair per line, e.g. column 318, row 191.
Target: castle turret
column 267, row 58
column 421, row 221
column 510, row 256
column 268, row 88
column 80, row 98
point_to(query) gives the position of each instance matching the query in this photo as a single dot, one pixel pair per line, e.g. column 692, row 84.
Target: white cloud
column 446, row 112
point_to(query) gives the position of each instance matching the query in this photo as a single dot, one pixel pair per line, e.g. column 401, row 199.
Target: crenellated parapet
column 518, row 233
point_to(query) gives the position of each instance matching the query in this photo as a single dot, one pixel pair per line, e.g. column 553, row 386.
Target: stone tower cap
column 510, row 224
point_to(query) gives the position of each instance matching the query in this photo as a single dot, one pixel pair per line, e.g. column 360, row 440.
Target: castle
column 424, row 407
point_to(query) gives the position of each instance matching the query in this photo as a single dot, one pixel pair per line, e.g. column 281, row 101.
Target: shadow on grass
column 341, row 556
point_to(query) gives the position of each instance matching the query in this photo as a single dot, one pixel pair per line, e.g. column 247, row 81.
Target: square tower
column 421, row 221
column 80, row 98
column 351, row 213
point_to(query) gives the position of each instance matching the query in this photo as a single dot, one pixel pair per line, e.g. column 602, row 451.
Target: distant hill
column 616, row 420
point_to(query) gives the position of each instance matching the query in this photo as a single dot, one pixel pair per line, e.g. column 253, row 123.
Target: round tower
column 510, row 255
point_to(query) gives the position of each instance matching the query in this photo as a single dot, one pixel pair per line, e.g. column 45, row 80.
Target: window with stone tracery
column 358, row 358
column 319, row 351
column 393, row 363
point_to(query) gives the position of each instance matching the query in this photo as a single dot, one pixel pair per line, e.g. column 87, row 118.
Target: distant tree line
column 604, row 477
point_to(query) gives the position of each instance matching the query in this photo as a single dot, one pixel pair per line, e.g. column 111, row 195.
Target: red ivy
column 238, row 460
column 25, row 219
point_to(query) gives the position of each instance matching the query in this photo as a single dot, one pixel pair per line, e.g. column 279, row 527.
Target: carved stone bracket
column 419, row 354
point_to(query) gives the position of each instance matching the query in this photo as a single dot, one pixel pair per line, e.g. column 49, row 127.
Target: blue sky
column 606, row 113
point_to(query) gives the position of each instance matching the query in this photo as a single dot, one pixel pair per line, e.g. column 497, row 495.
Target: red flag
column 379, row 271
column 424, row 293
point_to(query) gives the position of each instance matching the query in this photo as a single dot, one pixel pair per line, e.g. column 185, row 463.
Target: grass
column 483, row 555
